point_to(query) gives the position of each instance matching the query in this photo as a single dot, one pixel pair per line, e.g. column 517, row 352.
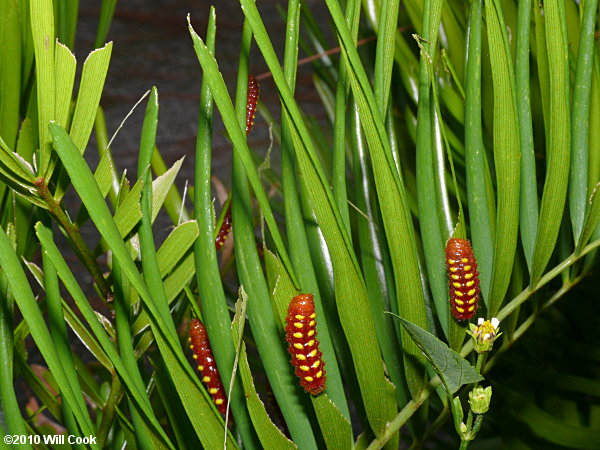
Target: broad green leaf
column 453, row 369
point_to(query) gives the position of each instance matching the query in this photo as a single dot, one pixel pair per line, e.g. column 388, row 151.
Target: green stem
column 74, row 238
column 405, row 414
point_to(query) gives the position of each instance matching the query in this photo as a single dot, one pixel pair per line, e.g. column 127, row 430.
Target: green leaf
column 506, row 153
column 65, row 66
column 559, row 140
column 10, row 58
column 29, row 307
column 196, row 402
column 349, row 284
column 42, row 27
column 546, row 426
column 591, row 221
column 270, row 436
column 453, row 369
column 477, row 168
column 336, row 429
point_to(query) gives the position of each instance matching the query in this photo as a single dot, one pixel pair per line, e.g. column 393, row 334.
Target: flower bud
column 479, row 399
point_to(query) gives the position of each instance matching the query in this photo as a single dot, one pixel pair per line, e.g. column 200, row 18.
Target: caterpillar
column 251, row 102
column 301, row 335
column 224, row 231
column 206, row 364
column 463, row 278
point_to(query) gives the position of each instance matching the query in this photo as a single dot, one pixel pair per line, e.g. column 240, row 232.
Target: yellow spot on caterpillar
column 304, row 368
column 192, row 347
column 451, row 261
column 468, row 276
column 455, row 277
column 470, row 302
column 311, row 323
column 470, row 283
column 460, row 310
column 459, row 302
column 311, row 343
column 219, row 401
column 189, row 339
column 471, row 292
column 467, row 268
column 298, row 325
column 200, row 368
column 464, row 260
column 299, row 316
column 300, row 356
column 206, row 379
column 309, row 379
column 312, row 316
column 313, row 353
column 213, row 391
column 316, row 364
column 319, row 374
column 458, row 293
column 471, row 308
column 195, row 356
column 310, row 333
column 298, row 346
column 298, row 335
column 453, row 269
column 456, row 285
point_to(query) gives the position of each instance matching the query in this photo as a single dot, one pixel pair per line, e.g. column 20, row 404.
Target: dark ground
column 152, row 47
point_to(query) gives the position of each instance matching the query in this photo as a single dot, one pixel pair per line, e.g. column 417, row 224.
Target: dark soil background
column 152, row 47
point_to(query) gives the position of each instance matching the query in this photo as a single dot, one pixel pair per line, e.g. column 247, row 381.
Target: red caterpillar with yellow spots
column 206, row 364
column 224, row 230
column 252, row 98
column 251, row 102
column 301, row 335
column 463, row 278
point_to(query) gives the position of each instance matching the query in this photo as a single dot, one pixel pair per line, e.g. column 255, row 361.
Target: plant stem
column 405, row 414
column 74, row 238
